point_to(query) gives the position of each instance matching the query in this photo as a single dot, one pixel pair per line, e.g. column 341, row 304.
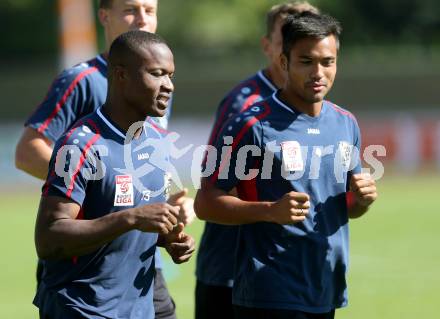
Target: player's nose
column 168, row 84
column 141, row 18
column 317, row 72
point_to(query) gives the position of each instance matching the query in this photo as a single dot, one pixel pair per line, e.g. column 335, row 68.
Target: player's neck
column 274, row 76
column 121, row 117
column 294, row 101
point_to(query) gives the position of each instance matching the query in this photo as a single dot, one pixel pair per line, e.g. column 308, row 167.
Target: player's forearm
column 36, row 168
column 65, row 238
column 216, row 206
column 32, row 154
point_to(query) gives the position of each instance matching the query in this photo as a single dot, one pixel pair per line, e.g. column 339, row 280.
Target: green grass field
column 394, row 270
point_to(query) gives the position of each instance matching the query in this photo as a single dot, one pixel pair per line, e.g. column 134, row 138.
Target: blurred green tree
column 225, row 25
column 30, row 28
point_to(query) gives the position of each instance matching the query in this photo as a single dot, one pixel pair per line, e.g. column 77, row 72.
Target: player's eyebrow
column 309, row 57
column 306, row 57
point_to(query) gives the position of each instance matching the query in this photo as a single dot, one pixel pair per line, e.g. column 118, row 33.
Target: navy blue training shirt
column 301, row 266
column 92, row 166
column 215, row 257
column 75, row 93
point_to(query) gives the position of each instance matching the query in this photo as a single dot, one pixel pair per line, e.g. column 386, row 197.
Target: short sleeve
column 71, row 165
column 357, row 143
column 238, row 149
column 63, row 105
column 240, row 98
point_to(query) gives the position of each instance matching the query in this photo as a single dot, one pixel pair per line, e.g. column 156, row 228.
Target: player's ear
column 103, row 16
column 283, row 62
column 120, row 73
column 265, row 45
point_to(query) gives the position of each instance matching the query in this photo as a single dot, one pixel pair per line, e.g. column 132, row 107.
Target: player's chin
column 160, row 109
column 317, row 97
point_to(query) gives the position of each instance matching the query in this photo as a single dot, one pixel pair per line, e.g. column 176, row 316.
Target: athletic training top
column 91, row 166
column 272, row 150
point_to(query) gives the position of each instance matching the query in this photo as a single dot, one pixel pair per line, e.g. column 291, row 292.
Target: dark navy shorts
column 213, row 302
column 164, row 305
column 256, row 313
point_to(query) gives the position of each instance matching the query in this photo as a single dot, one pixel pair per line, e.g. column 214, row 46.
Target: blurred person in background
column 215, row 258
column 79, row 91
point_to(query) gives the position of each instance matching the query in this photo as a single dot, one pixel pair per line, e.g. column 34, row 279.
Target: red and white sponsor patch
column 124, row 190
column 291, row 156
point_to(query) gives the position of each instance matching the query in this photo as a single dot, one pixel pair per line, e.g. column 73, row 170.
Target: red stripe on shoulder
column 250, row 101
column 83, row 157
column 239, row 137
column 252, row 98
column 66, row 94
column 227, row 106
column 339, row 110
column 52, row 173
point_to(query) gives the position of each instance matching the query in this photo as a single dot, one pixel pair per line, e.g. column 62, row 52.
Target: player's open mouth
column 163, row 100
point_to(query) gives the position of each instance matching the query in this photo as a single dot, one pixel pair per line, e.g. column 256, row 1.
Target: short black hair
column 129, row 45
column 308, row 24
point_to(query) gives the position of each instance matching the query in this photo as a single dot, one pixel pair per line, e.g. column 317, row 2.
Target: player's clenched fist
column 156, row 218
column 180, row 246
column 364, row 189
column 186, row 205
column 290, row 209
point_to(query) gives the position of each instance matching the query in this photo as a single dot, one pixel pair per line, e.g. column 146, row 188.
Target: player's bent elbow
column 24, row 156
column 32, row 153
column 46, row 247
column 48, row 252
column 43, row 251
column 21, row 158
column 24, row 161
column 199, row 206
